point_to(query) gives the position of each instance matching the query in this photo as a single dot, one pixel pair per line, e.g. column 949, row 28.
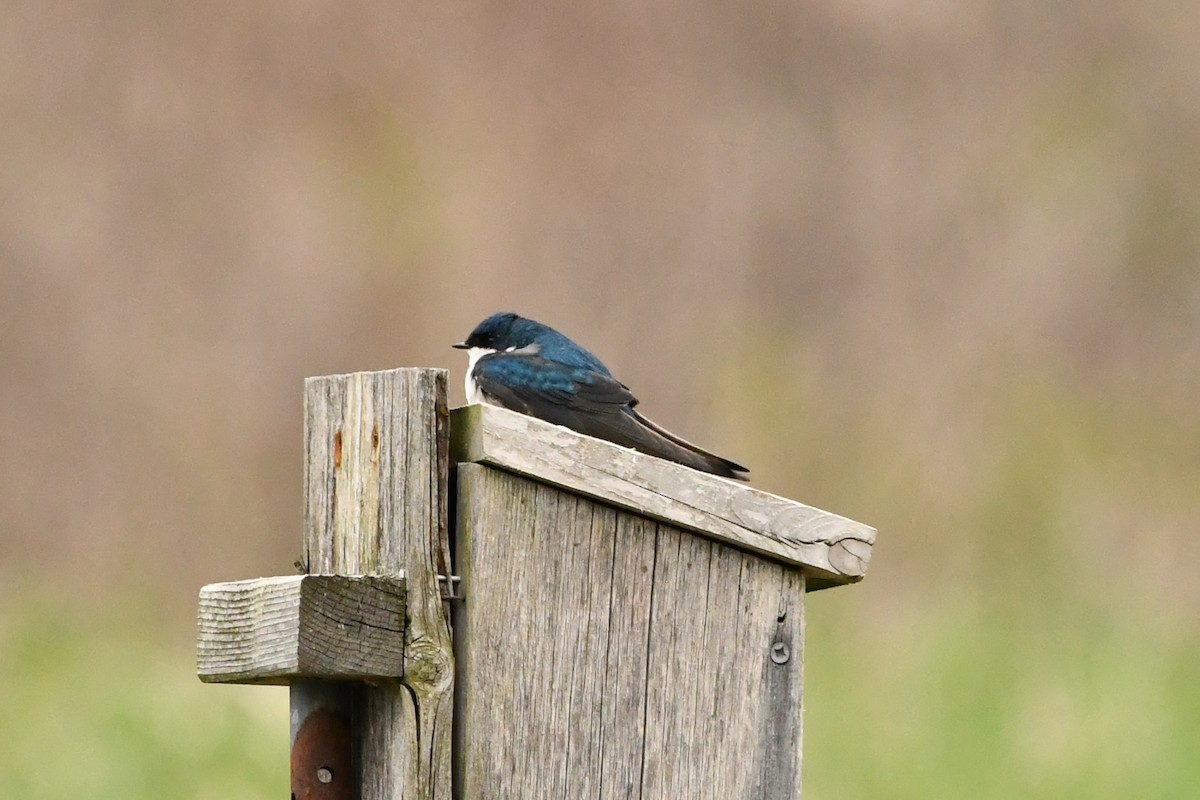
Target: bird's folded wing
column 529, row 383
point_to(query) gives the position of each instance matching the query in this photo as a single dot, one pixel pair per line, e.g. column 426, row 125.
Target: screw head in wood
column 780, row 652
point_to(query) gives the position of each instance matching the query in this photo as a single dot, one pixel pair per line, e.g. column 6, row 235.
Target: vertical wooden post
column 376, row 464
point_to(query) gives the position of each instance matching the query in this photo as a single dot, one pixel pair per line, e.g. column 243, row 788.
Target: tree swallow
column 525, row 366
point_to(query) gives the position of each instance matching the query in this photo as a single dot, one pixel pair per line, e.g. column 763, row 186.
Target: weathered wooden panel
column 602, row 654
column 274, row 630
column 376, row 465
column 832, row 549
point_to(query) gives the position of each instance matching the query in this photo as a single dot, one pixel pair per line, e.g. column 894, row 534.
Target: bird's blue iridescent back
column 553, row 346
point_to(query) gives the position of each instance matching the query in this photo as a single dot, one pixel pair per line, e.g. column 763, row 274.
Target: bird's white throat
column 473, row 356
column 476, row 353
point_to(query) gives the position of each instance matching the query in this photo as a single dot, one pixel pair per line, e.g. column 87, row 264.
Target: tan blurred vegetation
column 932, row 265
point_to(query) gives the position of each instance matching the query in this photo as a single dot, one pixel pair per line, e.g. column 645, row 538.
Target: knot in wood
column 428, row 666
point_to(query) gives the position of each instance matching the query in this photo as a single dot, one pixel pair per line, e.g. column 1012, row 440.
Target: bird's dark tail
column 626, row 427
column 683, row 451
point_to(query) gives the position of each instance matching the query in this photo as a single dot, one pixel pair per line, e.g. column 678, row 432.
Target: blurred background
column 931, row 265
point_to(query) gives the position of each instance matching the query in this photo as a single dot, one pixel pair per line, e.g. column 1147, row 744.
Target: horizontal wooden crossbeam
column 832, row 549
column 276, row 630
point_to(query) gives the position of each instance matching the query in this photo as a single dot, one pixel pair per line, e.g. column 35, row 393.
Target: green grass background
column 963, row 701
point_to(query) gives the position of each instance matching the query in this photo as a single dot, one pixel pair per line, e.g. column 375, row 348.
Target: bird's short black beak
column 461, row 346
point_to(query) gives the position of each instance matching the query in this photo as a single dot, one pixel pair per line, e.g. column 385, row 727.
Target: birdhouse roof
column 832, row 549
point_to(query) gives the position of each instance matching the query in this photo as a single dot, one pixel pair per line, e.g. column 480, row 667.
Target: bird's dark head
column 503, row 331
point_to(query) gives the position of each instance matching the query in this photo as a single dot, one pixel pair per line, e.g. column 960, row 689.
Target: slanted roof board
column 832, row 549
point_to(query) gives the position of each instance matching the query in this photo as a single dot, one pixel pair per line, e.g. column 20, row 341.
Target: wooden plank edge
column 277, row 630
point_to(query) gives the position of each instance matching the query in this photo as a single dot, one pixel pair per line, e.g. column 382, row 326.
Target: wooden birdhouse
column 497, row 607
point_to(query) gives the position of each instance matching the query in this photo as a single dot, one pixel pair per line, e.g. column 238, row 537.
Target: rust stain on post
column 322, row 758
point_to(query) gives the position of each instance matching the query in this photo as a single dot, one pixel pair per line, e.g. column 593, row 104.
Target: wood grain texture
column 376, row 465
column 602, row 654
column 274, row 630
column 832, row 549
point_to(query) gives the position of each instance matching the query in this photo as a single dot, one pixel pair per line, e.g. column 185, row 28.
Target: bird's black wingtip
column 726, row 468
column 734, row 470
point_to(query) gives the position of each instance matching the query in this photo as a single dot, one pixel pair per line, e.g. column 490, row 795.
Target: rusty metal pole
column 324, row 761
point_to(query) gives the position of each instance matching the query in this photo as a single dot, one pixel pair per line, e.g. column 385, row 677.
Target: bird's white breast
column 473, row 356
